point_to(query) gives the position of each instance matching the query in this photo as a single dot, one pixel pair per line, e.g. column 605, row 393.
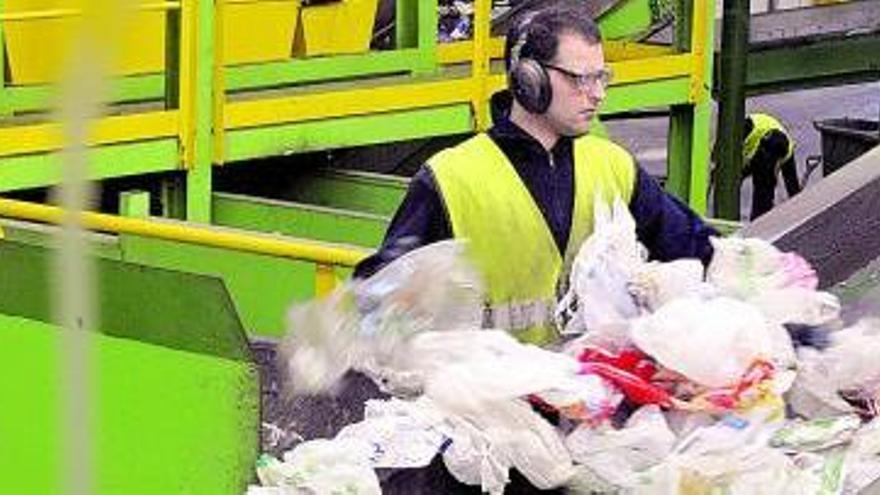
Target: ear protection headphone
column 529, row 81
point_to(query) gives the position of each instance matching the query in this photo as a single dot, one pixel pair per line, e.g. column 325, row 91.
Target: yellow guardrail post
column 325, row 279
column 218, row 78
column 187, row 81
column 480, row 62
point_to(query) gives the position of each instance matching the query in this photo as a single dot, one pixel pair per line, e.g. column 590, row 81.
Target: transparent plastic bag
column 598, row 298
column 322, row 466
column 616, row 457
column 366, row 323
column 711, row 342
column 849, row 364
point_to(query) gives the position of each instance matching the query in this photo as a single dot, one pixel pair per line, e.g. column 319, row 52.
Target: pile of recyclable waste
column 669, row 377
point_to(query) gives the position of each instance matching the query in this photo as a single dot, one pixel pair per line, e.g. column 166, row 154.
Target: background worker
column 522, row 193
column 768, row 150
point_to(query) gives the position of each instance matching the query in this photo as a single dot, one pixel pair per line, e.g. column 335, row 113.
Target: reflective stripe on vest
column 520, row 316
column 762, row 124
column 508, row 238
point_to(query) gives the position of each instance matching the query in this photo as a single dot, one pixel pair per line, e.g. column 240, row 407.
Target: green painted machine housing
column 175, row 394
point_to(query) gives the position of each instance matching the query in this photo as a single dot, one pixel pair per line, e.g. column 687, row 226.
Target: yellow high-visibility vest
column 763, row 124
column 509, row 241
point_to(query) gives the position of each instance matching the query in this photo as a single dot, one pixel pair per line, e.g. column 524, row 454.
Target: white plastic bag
column 656, row 283
column 744, row 268
column 731, row 456
column 402, row 434
column 598, row 298
column 616, row 457
column 849, row 363
column 711, row 342
column 322, row 466
column 511, row 435
column 364, row 323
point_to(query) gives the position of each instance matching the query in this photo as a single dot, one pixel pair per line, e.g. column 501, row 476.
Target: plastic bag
column 363, row 324
column 849, row 365
column 402, row 434
column 508, row 434
column 817, row 434
column 465, row 370
column 710, row 342
column 744, row 268
column 322, row 466
column 598, row 299
column 655, row 284
column 798, row 305
column 731, row 456
column 616, row 457
column 781, row 285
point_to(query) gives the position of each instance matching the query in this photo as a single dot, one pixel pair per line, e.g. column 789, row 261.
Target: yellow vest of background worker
column 762, row 124
column 509, row 241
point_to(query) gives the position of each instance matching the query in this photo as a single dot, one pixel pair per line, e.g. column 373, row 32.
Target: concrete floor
column 646, row 138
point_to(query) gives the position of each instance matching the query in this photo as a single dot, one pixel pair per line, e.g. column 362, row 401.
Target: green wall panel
column 299, row 220
column 185, row 311
column 350, row 190
column 262, row 287
column 242, row 144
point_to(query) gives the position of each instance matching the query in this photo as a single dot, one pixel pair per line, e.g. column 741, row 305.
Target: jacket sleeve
column 420, row 220
column 666, row 226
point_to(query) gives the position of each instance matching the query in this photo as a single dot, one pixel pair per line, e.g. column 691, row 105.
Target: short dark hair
column 537, row 31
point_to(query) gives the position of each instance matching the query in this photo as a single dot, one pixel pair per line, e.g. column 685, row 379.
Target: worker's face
column 579, row 77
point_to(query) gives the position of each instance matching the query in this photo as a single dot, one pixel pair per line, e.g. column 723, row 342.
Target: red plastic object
column 629, row 359
column 634, row 387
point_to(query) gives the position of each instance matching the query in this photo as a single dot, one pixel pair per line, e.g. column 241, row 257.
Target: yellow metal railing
column 325, row 257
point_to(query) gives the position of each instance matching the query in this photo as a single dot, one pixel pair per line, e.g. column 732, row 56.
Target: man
column 522, row 193
column 767, row 151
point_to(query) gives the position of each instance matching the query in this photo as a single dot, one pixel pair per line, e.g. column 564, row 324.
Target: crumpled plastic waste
column 362, row 324
column 513, row 435
column 711, row 342
column 655, row 284
column 730, row 456
column 321, row 466
column 401, row 434
column 816, row 434
column 610, row 459
column 843, row 378
column 598, row 299
column 781, row 285
column 743, row 267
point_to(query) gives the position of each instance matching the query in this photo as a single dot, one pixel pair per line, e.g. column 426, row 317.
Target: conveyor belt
column 834, row 224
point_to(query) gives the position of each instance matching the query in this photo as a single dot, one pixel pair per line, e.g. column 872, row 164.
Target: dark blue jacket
column 665, row 225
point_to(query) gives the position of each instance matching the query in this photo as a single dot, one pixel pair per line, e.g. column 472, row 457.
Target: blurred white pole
column 95, row 35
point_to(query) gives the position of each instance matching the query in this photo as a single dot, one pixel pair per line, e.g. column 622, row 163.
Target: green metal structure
column 176, row 406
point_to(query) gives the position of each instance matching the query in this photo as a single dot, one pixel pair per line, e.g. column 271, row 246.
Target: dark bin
column 844, row 140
